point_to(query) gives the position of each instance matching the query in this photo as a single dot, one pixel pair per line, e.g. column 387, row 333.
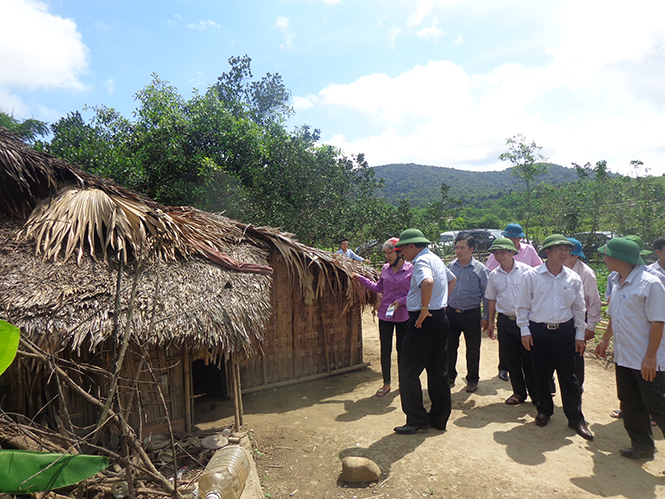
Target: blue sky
column 433, row 82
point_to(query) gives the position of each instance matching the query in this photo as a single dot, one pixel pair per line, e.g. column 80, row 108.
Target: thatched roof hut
column 82, row 260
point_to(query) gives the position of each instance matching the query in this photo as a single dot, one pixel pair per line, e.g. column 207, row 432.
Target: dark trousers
column 425, row 348
column 386, row 337
column 556, row 347
column 639, row 398
column 516, row 358
column 467, row 322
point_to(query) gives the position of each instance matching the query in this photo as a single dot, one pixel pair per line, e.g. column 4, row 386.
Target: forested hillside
column 421, row 184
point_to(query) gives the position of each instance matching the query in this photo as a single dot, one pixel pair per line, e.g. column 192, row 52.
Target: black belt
column 510, row 317
column 554, row 326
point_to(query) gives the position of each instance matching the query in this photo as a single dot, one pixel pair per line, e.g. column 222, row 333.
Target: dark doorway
column 209, row 380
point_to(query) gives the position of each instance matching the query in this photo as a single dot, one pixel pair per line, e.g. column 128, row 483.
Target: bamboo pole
column 188, row 387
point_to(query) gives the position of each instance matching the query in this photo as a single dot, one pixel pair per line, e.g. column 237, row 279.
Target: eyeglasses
column 561, row 249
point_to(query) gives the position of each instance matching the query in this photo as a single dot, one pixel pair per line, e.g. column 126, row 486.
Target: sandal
column 616, row 414
column 514, row 399
column 385, row 389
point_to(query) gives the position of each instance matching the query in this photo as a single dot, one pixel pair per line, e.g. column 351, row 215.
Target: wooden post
column 236, row 392
column 241, row 410
column 188, row 387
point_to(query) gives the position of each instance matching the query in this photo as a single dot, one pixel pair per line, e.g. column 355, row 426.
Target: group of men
column 545, row 313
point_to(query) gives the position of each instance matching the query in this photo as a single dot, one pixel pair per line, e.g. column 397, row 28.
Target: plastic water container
column 226, row 474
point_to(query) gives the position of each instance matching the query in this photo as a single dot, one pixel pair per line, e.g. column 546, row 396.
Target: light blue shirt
column 429, row 266
column 349, row 253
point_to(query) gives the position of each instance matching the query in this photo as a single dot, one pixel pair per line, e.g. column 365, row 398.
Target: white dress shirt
column 634, row 305
column 551, row 299
column 656, row 266
column 504, row 287
column 591, row 294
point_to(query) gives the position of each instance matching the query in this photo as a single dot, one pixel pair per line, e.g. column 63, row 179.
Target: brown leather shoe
column 542, row 419
column 582, row 430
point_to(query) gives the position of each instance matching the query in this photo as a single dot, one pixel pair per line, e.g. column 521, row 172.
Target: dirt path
column 490, row 450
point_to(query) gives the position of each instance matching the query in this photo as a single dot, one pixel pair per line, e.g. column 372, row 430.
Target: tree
column 28, row 129
column 266, row 100
column 527, row 165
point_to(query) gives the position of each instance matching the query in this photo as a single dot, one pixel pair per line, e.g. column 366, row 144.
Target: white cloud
column 282, row 24
column 303, row 103
column 599, row 96
column 422, row 10
column 204, row 25
column 431, row 32
column 39, row 49
column 110, row 86
column 393, row 33
column 459, row 40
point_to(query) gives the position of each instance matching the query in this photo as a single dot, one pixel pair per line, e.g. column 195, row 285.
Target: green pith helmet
column 640, row 244
column 503, row 243
column 622, row 249
column 556, row 239
column 412, row 236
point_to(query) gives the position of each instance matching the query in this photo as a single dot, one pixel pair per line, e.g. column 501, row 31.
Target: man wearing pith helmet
column 425, row 337
column 550, row 314
column 637, row 316
column 525, row 254
column 502, row 290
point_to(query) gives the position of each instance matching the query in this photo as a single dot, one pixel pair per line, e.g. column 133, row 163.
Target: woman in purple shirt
column 394, row 284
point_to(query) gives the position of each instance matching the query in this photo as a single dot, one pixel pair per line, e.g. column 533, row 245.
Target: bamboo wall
column 304, row 340
column 32, row 392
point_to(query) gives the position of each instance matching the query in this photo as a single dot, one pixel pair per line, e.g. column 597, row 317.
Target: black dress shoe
column 471, row 387
column 634, row 453
column 582, row 430
column 542, row 419
column 409, row 430
column 503, row 375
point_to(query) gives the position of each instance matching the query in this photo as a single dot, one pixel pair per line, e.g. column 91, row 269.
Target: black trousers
column 516, row 358
column 386, row 338
column 639, row 399
column 425, row 348
column 556, row 348
column 467, row 322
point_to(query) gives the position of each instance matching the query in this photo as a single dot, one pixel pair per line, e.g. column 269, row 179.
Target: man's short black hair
column 421, row 245
column 342, row 240
column 659, row 243
column 470, row 240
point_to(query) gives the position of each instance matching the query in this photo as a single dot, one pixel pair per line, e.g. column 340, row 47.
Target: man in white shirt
column 344, row 250
column 425, row 342
column 526, row 254
column 637, row 316
column 550, row 314
column 591, row 300
column 502, row 290
column 659, row 249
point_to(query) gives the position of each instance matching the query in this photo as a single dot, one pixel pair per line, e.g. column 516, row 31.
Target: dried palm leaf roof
column 182, row 295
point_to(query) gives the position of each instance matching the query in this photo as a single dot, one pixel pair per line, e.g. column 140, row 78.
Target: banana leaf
column 9, row 336
column 23, row 471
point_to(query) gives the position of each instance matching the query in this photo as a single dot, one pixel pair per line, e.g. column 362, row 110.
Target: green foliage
column 28, row 129
column 23, row 472
column 528, row 165
column 9, row 339
column 421, row 184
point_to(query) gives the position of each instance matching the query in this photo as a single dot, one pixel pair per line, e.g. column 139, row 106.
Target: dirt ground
column 490, row 450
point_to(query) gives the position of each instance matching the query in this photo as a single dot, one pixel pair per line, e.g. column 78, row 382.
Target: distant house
column 215, row 297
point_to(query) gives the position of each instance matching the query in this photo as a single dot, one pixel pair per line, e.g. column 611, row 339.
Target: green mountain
column 421, row 184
